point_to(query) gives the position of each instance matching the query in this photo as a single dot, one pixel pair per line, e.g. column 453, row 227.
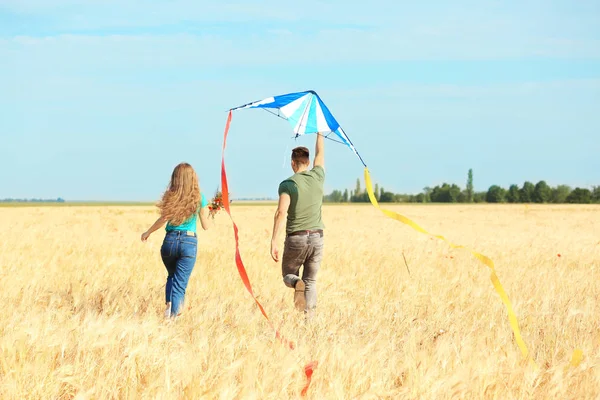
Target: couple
column 300, row 198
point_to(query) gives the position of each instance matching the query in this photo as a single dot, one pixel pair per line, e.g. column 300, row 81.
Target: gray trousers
column 303, row 250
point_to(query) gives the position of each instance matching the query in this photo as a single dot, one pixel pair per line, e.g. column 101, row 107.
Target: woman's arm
column 157, row 225
column 204, row 217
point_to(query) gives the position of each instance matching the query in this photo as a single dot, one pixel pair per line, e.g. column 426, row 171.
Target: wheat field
column 83, row 299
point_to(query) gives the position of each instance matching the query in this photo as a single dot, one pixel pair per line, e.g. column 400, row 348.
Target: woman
column 179, row 207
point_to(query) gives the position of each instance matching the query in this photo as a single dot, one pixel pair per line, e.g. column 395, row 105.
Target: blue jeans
column 178, row 253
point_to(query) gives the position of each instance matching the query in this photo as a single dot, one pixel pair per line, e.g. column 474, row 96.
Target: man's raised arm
column 319, row 151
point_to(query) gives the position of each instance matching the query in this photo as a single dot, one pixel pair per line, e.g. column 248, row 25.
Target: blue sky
column 99, row 100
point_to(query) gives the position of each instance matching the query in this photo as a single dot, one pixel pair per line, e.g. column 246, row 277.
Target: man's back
column 306, row 197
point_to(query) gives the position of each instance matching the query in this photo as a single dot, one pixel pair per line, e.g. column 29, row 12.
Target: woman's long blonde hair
column 182, row 198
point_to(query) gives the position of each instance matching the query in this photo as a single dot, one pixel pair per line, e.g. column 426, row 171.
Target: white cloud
column 387, row 29
column 333, row 47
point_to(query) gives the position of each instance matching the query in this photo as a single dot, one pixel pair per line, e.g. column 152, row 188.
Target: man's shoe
column 299, row 297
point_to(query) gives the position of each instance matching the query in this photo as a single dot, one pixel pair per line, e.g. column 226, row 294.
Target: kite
column 307, row 114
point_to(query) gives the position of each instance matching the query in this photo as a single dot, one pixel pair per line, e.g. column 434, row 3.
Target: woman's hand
column 158, row 224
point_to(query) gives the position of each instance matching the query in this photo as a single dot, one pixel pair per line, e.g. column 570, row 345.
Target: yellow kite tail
column 484, row 259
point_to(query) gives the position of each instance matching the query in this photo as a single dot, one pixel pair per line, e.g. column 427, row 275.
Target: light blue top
column 190, row 223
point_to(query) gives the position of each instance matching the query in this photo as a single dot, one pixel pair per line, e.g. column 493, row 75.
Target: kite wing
column 306, row 113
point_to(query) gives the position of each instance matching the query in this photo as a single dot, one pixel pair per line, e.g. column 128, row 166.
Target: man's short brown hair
column 301, row 155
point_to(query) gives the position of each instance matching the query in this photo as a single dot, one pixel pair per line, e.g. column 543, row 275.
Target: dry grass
column 83, row 300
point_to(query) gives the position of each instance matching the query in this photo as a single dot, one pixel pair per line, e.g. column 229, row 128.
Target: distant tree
column 360, row 198
column 580, row 196
column 426, row 194
column 386, row 197
column 513, row 194
column 454, row 193
column 334, row 197
column 420, row 198
column 439, row 194
column 560, row 194
column 596, row 194
column 345, row 196
column 526, row 192
column 462, row 197
column 542, row 192
column 445, row 193
column 496, row 194
column 479, row 197
column 358, row 190
column 381, row 191
column 469, row 190
column 376, row 191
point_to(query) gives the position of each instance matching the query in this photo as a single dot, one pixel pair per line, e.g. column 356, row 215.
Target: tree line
column 10, row 200
column 528, row 192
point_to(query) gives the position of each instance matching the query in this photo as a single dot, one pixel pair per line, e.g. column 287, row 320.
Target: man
column 301, row 197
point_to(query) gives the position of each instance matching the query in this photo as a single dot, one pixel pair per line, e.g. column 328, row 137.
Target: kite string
column 285, row 155
column 308, row 368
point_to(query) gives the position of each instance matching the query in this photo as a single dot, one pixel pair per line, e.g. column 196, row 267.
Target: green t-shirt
column 306, row 193
column 190, row 223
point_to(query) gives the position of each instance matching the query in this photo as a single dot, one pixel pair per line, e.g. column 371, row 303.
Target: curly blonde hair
column 182, row 198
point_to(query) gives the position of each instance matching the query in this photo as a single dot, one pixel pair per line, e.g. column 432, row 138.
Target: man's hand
column 145, row 236
column 274, row 251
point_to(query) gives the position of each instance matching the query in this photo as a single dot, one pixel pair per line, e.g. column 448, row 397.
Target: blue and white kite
column 306, row 113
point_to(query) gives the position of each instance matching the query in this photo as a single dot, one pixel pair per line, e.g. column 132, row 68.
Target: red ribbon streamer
column 309, row 368
column 308, row 371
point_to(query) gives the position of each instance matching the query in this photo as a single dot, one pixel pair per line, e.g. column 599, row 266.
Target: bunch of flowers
column 216, row 204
